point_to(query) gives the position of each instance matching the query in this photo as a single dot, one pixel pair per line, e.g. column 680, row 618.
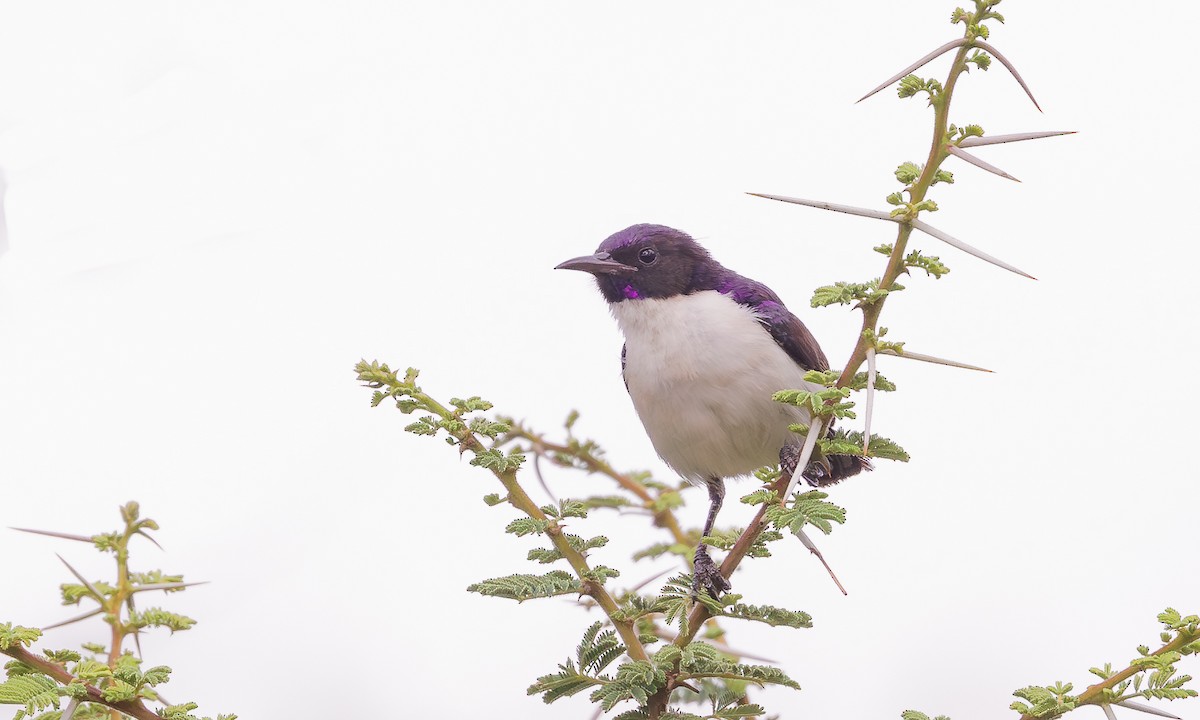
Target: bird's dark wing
column 786, row 329
column 623, row 368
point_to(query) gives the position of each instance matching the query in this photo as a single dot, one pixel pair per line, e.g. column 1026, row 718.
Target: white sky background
column 214, row 210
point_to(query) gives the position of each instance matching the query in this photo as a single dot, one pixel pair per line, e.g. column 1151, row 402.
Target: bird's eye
column 647, row 256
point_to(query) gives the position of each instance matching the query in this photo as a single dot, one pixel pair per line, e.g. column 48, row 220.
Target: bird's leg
column 706, row 574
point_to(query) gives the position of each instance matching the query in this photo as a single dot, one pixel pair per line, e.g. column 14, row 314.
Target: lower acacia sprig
column 101, row 679
column 1152, row 675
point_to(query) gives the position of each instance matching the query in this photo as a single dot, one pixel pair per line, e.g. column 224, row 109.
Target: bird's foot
column 815, row 474
column 706, row 575
column 789, row 457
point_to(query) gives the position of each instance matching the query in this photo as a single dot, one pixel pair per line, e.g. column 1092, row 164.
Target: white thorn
column 51, row 533
column 91, row 588
column 812, row 547
column 69, row 712
column 1141, row 707
column 977, row 162
column 955, row 242
column 1012, row 137
column 911, row 355
column 167, row 586
column 815, row 428
column 880, row 215
column 905, row 353
column 984, row 46
column 1108, row 712
column 537, row 471
column 822, row 205
column 75, row 619
column 151, row 539
column 948, row 46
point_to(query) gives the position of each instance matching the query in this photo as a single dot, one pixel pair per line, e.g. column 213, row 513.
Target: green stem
column 917, row 191
column 871, row 312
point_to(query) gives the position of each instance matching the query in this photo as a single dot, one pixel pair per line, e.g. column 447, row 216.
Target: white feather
column 701, row 370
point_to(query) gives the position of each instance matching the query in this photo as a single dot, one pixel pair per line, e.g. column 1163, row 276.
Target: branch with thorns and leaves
column 686, row 669
column 101, row 681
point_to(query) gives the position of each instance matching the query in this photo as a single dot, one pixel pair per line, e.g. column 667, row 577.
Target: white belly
column 701, row 370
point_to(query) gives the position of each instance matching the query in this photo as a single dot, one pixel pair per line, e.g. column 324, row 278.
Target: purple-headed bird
column 705, row 349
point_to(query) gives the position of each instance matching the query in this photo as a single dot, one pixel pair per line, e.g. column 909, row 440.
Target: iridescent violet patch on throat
column 631, row 293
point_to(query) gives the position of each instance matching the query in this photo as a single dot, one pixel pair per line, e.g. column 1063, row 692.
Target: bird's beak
column 599, row 264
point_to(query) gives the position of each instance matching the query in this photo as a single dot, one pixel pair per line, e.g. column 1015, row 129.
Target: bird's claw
column 816, row 474
column 706, row 576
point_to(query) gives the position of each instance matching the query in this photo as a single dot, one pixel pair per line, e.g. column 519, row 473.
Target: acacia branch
column 132, row 708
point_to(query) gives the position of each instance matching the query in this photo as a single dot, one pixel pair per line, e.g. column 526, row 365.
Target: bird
column 705, row 349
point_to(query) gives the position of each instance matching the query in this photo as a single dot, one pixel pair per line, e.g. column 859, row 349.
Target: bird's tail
column 838, row 468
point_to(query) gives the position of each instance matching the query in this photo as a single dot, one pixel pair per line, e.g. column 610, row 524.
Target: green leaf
column 942, row 176
column 527, row 526
column 566, row 508
column 424, row 426
column 11, row 635
column 740, row 711
column 828, row 378
column 524, row 587
column 885, row 449
column 471, row 404
column 1044, row 701
column 597, row 650
column 667, row 500
column 675, row 600
column 488, row 428
column 496, row 461
column 564, row 683
column 909, row 85
column 760, row 496
column 768, row 614
column 808, row 508
column 659, row 549
column 601, row 573
column 908, row 172
column 119, row 691
column 882, row 384
column 932, row 265
column 89, row 670
column 62, row 656
column 608, row 501
column 157, row 617
column 35, row 692
column 544, row 555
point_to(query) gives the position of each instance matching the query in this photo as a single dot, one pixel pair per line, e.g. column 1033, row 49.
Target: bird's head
column 644, row 261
